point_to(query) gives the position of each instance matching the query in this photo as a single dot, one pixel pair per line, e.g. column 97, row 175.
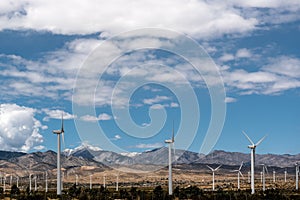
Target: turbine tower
column 91, row 184
column 76, row 179
column 264, row 170
column 285, row 172
column 239, row 173
column 170, row 142
column 30, row 182
column 17, row 181
column 253, row 146
column 297, row 176
column 274, row 176
column 117, row 183
column 46, row 181
column 213, row 176
column 104, row 180
column 58, row 133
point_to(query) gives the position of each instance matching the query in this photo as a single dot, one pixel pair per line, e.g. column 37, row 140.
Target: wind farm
column 149, row 100
column 202, row 174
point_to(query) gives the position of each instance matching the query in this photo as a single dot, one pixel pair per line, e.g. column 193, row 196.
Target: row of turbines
column 171, row 148
column 252, row 146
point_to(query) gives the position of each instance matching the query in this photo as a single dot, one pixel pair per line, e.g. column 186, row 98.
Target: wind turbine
column 285, row 172
column 58, row 133
column 17, row 181
column 274, row 176
column 253, row 146
column 170, row 142
column 213, row 176
column 239, row 173
column 91, row 186
column 35, row 185
column 30, row 182
column 297, row 176
column 76, row 179
column 46, row 181
column 4, row 180
column 248, row 176
column 264, row 169
column 117, row 184
column 104, row 180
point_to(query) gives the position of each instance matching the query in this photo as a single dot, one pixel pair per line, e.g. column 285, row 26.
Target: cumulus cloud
column 279, row 75
column 101, row 117
column 201, row 18
column 156, row 99
column 230, row 100
column 19, row 129
column 57, row 114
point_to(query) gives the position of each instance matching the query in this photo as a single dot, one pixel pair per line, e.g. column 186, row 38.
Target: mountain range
column 86, row 155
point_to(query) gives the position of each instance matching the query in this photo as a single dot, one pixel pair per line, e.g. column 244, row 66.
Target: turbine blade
column 62, row 123
column 174, row 157
column 63, row 140
column 241, row 165
column 210, row 168
column 218, row 167
column 260, row 140
column 241, row 174
column 173, row 132
column 266, row 169
column 248, row 138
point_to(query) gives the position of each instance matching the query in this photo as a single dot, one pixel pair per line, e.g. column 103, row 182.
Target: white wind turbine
column 170, row 142
column 117, row 183
column 239, row 173
column 297, row 176
column 91, row 184
column 17, row 181
column 58, row 133
column 4, row 182
column 46, row 181
column 253, row 146
column 104, row 180
column 30, row 182
column 213, row 175
column 264, row 170
column 76, row 179
column 285, row 173
column 35, row 185
column 274, row 176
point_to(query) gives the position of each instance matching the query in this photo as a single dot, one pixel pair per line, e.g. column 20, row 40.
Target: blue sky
column 47, row 69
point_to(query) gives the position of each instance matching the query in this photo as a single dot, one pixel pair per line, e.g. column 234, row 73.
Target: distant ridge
column 87, row 155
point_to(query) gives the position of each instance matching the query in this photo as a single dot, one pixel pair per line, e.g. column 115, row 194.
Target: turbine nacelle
column 56, row 131
column 169, row 141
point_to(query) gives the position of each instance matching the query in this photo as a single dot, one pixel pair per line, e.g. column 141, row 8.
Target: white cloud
column 156, row 99
column 230, row 100
column 101, row 117
column 226, row 57
column 19, row 129
column 57, row 114
column 147, row 146
column 117, row 137
column 243, row 53
column 284, row 65
column 157, row 106
column 174, row 105
column 198, row 18
column 281, row 74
